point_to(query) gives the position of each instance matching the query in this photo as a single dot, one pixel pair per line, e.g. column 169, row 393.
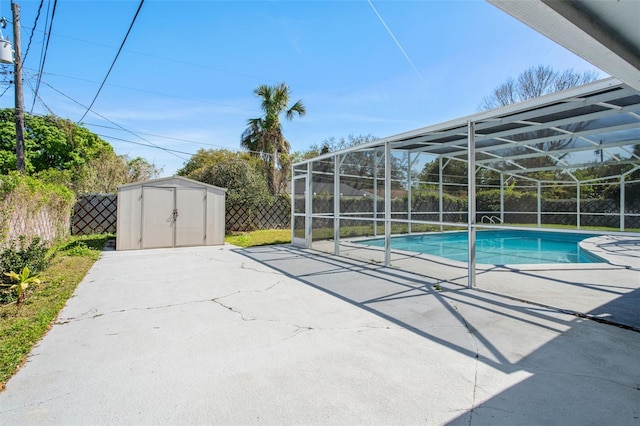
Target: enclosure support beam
column 539, row 207
column 471, row 191
column 293, row 202
column 387, row 204
column 308, row 225
column 440, row 193
column 375, row 193
column 336, row 205
column 578, row 205
column 409, row 190
column 501, row 197
column 622, row 202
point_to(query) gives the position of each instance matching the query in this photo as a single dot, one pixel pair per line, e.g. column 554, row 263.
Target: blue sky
column 185, row 77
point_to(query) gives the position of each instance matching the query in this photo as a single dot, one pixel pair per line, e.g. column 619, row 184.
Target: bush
column 18, row 255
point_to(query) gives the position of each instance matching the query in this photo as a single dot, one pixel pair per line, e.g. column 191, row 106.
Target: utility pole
column 17, row 67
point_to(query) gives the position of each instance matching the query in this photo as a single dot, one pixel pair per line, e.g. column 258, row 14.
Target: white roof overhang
column 603, row 32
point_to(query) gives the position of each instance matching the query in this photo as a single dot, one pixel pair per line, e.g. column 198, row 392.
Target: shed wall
column 129, row 218
column 215, row 222
column 130, row 212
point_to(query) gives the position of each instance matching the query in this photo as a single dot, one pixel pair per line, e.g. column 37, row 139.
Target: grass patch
column 22, row 328
column 260, row 238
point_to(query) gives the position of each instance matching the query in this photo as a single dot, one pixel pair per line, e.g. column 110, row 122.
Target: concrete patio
column 280, row 335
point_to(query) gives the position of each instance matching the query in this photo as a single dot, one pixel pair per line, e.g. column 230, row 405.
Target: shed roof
column 168, row 180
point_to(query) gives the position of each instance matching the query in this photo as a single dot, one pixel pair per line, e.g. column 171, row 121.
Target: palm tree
column 263, row 136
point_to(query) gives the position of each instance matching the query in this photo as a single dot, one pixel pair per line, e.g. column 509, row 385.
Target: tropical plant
column 263, row 136
column 23, row 281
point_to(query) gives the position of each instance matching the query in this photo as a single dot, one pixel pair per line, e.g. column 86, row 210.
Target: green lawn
column 260, row 238
column 21, row 328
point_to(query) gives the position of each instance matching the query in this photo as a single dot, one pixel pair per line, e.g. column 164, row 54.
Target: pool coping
column 613, row 249
column 618, row 250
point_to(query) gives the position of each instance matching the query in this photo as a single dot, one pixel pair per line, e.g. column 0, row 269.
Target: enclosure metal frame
column 465, row 139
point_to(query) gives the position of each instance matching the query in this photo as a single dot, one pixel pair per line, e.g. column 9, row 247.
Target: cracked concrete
column 477, row 356
column 275, row 335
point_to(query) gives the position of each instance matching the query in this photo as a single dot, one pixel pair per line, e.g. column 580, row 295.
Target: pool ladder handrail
column 492, row 219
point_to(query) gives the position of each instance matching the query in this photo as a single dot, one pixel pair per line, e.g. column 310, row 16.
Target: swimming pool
column 498, row 247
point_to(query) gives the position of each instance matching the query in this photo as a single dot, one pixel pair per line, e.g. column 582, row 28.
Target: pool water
column 498, row 247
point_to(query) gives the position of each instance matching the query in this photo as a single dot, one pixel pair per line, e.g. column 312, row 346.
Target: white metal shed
column 170, row 212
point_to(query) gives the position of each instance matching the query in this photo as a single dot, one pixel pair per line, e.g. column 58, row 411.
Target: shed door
column 191, row 204
column 157, row 217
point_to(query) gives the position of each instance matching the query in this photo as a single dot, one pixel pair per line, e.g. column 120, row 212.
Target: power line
column 137, row 134
column 208, row 67
column 114, row 60
column 153, row 92
column 33, row 30
column 180, row 139
column 169, row 150
column 46, row 49
column 148, row 143
column 240, row 74
column 38, row 98
column 114, row 123
column 5, row 90
column 166, row 137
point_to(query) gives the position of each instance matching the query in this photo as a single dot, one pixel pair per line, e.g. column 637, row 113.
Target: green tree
column 207, row 157
column 263, row 136
column 454, row 176
column 106, row 172
column 61, row 152
column 238, row 172
column 358, row 167
column 50, row 143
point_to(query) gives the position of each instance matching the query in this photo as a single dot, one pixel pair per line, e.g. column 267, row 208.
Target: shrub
column 20, row 254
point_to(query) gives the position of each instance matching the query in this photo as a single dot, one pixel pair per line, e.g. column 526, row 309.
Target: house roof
column 603, row 32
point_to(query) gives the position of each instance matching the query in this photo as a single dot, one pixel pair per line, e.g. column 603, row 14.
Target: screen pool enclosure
column 570, row 159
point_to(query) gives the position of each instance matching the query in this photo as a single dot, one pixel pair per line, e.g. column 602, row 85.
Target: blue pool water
column 498, row 247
